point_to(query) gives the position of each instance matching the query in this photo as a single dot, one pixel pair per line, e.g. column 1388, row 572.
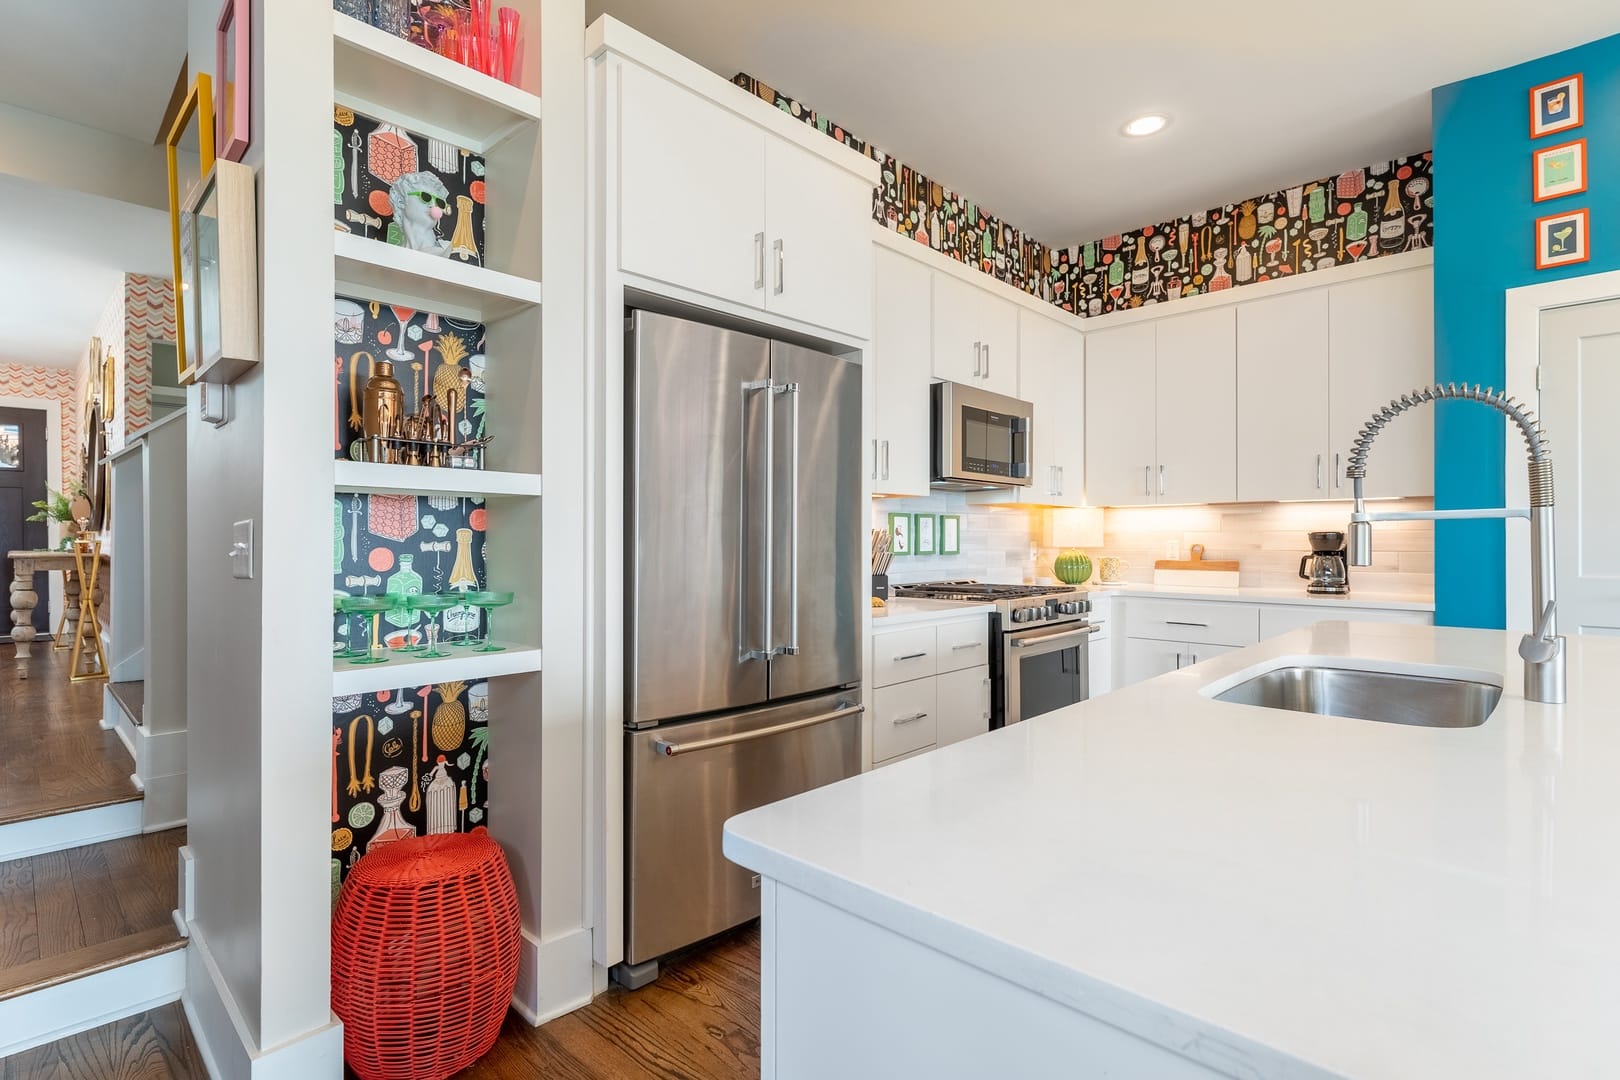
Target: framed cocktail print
column 1561, row 239
column 923, row 540
column 1557, row 106
column 950, row 534
column 223, row 276
column 233, row 95
column 189, row 147
column 900, row 538
column 1560, row 170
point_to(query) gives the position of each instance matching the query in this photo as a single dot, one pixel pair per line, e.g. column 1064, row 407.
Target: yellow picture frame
column 197, row 110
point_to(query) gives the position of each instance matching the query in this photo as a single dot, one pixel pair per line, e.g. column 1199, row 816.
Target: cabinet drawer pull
column 909, row 656
column 1200, row 625
column 969, row 645
column 910, row 719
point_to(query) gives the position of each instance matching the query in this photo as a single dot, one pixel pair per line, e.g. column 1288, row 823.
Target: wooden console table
column 24, row 598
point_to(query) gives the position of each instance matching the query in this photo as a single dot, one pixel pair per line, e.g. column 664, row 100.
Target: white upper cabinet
column 1380, row 346
column 901, row 360
column 818, row 221
column 692, row 197
column 1120, row 411
column 711, row 202
column 1282, row 398
column 1197, row 407
column 975, row 336
column 1052, row 376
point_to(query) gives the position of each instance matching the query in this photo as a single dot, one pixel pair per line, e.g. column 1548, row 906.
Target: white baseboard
column 68, row 1008
column 228, row 1048
column 160, row 766
column 20, row 839
column 554, row 976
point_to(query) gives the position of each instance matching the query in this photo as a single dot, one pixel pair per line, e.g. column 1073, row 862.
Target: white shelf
column 373, row 270
column 390, row 78
column 409, row 669
column 366, row 476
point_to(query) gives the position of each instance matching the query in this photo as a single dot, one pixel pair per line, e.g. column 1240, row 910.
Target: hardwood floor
column 154, row 1045
column 54, row 755
column 68, row 913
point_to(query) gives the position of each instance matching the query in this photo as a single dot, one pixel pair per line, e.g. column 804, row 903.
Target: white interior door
column 1580, row 380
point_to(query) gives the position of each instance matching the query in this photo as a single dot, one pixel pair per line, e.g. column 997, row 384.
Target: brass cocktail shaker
column 382, row 406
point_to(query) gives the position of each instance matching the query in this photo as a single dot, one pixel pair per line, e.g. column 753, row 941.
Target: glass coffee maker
column 1325, row 569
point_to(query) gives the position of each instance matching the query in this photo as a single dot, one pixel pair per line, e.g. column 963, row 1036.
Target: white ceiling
column 1018, row 105
column 65, row 253
column 106, row 64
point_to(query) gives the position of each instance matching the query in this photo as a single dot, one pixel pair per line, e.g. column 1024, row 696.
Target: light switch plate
column 242, row 549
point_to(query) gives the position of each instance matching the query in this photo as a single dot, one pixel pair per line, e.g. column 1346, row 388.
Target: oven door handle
column 1048, row 642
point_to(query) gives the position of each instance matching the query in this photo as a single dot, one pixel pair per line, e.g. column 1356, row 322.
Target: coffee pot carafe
column 1325, row 569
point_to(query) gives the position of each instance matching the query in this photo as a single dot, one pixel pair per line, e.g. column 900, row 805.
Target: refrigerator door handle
column 791, row 646
column 764, row 652
column 671, row 749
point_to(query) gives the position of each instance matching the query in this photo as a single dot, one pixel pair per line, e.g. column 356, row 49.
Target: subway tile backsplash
column 1267, row 539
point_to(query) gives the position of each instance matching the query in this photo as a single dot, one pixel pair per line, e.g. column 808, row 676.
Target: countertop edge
column 1261, row 595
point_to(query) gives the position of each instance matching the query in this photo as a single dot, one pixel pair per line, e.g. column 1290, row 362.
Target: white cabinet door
column 1197, row 408
column 1147, row 657
column 1380, row 346
column 1282, row 398
column 691, row 191
column 1100, row 665
column 818, row 235
column 998, row 329
column 963, row 704
column 1120, row 415
column 901, row 359
column 1052, row 377
column 958, row 342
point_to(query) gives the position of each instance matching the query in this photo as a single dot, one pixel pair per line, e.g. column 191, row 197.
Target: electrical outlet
column 1172, row 549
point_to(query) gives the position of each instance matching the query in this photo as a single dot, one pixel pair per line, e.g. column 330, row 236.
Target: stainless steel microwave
column 981, row 440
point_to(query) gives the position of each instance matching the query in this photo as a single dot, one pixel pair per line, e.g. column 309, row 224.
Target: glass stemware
column 431, row 604
column 401, row 350
column 488, row 602
column 364, row 606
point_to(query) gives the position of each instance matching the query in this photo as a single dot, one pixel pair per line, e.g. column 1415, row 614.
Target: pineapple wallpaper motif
column 407, row 762
column 1360, row 214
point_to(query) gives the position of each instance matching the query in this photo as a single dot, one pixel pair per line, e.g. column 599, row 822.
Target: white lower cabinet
column 931, row 685
column 1148, row 657
column 1100, row 665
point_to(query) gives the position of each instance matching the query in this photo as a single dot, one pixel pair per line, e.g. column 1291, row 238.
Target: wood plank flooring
column 54, row 755
column 68, row 913
column 699, row 1021
column 154, row 1045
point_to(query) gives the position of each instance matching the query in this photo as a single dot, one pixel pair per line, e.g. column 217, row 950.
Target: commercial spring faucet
column 1542, row 649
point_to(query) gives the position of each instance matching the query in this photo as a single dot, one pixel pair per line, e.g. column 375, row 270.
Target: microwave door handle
column 791, row 647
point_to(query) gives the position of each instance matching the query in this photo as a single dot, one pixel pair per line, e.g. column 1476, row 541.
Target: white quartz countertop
column 1387, row 601
column 1273, row 893
column 902, row 610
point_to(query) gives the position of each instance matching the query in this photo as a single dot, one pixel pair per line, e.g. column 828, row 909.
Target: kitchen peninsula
column 1157, row 883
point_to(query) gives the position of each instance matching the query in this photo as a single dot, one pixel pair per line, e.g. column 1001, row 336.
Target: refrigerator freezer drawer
column 684, row 780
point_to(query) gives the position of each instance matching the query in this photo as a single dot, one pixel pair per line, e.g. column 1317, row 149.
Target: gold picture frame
column 109, row 388
column 193, row 125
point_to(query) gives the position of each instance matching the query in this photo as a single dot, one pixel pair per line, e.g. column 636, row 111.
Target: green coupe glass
column 488, row 601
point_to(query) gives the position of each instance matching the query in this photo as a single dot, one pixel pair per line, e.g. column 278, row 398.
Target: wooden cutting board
column 1197, row 562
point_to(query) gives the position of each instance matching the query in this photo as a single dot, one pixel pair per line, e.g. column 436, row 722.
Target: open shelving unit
column 369, row 267
column 463, row 664
column 368, row 478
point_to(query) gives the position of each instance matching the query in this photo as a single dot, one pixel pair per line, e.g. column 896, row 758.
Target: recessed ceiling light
column 1151, row 124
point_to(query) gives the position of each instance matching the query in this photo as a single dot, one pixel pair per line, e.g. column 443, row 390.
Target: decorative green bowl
column 1072, row 568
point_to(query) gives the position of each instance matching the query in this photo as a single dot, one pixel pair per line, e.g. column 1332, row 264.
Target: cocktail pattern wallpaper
column 393, row 185
column 1360, row 214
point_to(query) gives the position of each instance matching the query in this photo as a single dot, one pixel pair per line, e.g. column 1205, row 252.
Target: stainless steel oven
column 1043, row 667
column 980, row 440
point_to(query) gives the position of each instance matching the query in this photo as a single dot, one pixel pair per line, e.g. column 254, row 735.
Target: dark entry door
column 22, row 480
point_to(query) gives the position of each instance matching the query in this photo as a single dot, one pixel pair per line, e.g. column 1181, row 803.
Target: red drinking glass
column 509, row 19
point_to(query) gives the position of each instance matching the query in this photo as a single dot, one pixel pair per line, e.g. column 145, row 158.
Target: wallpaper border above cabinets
column 1354, row 216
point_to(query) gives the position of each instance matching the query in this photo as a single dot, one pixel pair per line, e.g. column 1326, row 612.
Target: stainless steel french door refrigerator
column 744, row 586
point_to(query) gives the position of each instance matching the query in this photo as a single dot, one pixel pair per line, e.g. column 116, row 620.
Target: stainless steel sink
column 1389, row 697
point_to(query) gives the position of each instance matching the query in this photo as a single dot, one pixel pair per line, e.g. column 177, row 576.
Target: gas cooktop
column 976, row 591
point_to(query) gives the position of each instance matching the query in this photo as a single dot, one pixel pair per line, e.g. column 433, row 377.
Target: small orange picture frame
column 1563, row 239
column 1556, row 106
column 1558, row 170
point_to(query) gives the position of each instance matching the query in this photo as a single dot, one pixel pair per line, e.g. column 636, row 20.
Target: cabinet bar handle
column 1147, row 479
column 1318, row 472
column 885, row 459
column 978, row 358
column 987, row 360
column 969, row 645
column 759, row 260
column 781, row 261
column 1338, row 476
column 1161, row 481
column 910, row 656
column 874, row 459
column 1200, row 625
column 910, row 719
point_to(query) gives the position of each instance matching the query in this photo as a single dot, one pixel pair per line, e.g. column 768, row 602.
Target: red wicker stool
column 424, row 956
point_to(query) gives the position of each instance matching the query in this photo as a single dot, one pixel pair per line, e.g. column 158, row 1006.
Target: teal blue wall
column 1485, row 244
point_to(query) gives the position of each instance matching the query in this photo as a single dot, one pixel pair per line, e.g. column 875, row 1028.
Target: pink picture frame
column 233, row 79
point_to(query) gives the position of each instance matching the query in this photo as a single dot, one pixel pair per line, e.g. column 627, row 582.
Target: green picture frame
column 925, row 535
column 950, row 534
column 901, row 534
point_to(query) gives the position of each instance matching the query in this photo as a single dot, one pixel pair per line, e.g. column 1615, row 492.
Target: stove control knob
column 1020, row 615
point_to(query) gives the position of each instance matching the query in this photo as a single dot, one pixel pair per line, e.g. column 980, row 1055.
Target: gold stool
column 89, row 625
